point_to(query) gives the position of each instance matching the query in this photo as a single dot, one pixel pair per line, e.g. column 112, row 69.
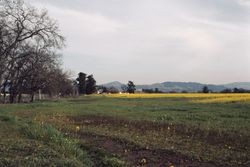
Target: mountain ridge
column 171, row 86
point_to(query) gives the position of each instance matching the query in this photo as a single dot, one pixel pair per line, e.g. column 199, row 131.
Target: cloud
column 244, row 2
column 167, row 40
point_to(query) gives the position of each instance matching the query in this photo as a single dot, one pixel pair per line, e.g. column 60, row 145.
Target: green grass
column 216, row 130
column 24, row 143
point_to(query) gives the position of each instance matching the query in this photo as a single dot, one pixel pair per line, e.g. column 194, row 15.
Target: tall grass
column 49, row 135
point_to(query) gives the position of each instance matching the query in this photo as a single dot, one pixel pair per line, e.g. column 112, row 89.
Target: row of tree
column 227, row 90
column 235, row 90
column 29, row 40
column 86, row 84
column 156, row 90
column 129, row 88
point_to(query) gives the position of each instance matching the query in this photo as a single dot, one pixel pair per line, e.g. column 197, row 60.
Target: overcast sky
column 149, row 41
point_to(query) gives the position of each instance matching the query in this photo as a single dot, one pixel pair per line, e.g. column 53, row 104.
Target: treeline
column 227, row 90
column 205, row 89
column 156, row 90
column 235, row 90
column 85, row 84
column 129, row 88
column 29, row 62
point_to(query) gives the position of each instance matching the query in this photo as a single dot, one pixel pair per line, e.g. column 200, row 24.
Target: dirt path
column 137, row 156
column 210, row 136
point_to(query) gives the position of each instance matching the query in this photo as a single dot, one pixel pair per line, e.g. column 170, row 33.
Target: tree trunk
column 19, row 97
column 4, row 93
column 40, row 94
column 4, row 96
column 12, row 98
column 32, row 97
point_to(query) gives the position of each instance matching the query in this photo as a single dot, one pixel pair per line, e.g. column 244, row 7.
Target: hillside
column 114, row 84
column 182, row 86
column 244, row 85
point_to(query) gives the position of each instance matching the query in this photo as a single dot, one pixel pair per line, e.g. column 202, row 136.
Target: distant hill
column 182, row 86
column 244, row 85
column 114, row 84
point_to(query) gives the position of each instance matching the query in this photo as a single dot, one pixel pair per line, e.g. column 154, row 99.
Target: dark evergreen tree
column 81, row 83
column 104, row 89
column 226, row 91
column 157, row 90
column 90, row 85
column 205, row 89
column 131, row 87
column 236, row 90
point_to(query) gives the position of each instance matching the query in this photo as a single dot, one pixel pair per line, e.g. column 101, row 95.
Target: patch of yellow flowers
column 194, row 97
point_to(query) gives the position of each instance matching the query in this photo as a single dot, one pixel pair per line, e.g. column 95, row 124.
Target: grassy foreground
column 128, row 130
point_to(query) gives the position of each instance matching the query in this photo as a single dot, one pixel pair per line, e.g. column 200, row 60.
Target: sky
column 152, row 41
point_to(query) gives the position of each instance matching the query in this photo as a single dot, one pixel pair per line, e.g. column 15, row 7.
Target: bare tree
column 59, row 84
column 32, row 72
column 28, row 40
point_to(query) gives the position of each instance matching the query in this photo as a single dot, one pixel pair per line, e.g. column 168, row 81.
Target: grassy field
column 128, row 130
